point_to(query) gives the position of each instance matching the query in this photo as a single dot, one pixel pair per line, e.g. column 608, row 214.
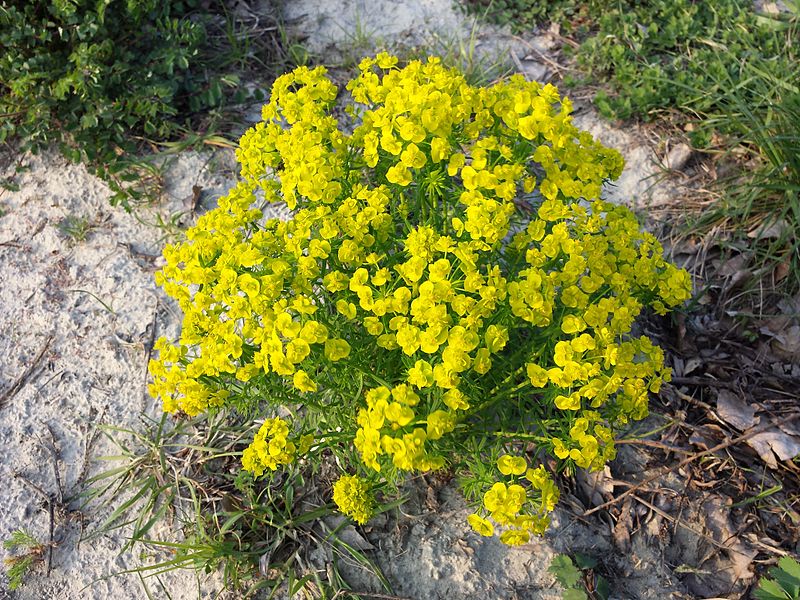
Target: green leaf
column 602, row 589
column 787, row 574
column 584, row 562
column 573, row 594
column 769, row 590
column 564, row 571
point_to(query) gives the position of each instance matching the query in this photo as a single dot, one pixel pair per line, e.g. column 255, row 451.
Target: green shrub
column 91, row 77
column 521, row 15
column 680, row 54
column 661, row 54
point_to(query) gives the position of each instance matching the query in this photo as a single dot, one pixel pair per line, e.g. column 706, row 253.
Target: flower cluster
column 521, row 503
column 449, row 286
column 270, row 448
column 354, row 498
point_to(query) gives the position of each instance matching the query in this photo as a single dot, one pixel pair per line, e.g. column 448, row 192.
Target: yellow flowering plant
column 449, row 291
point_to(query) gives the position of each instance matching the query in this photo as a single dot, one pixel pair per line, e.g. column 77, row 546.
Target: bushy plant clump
column 89, row 76
column 522, row 15
column 664, row 54
column 450, row 291
column 682, row 54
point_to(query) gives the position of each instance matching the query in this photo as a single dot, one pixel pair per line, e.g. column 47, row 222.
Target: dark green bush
column 654, row 55
column 521, row 15
column 681, row 53
column 93, row 76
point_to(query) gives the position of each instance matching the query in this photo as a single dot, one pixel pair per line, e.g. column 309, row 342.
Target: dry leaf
column 786, row 345
column 533, row 70
column 597, row 486
column 692, row 365
column 718, row 523
column 678, row 157
column 735, row 411
column 782, row 270
column 773, row 230
column 733, row 268
column 774, row 443
column 697, row 439
column 622, row 530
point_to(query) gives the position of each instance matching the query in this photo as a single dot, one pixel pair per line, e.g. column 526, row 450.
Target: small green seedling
column 578, row 578
column 75, row 228
column 27, row 553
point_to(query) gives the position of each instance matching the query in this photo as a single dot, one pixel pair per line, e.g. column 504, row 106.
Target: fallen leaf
column 736, row 411
column 774, row 443
column 597, row 486
column 533, row 70
column 678, row 157
column 786, row 345
column 740, row 555
column 352, row 538
column 692, row 365
column 782, row 270
column 622, row 530
column 773, row 230
column 733, row 267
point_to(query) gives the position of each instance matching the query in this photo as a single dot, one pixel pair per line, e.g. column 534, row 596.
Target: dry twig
column 26, row 375
column 687, row 460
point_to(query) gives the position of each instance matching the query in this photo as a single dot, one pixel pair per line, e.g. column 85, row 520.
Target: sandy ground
column 77, row 317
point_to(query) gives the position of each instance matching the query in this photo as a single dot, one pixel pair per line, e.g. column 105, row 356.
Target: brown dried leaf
column 697, row 439
column 692, row 365
column 734, row 267
column 622, row 530
column 678, row 157
column 719, row 525
column 775, row 443
column 352, row 538
column 736, row 411
column 782, row 270
column 786, row 345
column 597, row 486
column 769, row 230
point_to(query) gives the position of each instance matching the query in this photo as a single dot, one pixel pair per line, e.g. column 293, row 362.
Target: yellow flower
column 515, row 537
column 303, row 382
column 455, row 399
column 336, row 349
column 269, row 449
column 571, row 402
column 404, row 239
column 496, row 338
column 354, row 498
column 405, row 395
column 440, row 422
column 399, row 174
column 537, row 375
column 249, row 285
column 421, row 374
column 480, row 525
column 511, row 465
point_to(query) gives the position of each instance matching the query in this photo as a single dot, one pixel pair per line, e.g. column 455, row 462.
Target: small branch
column 653, row 444
column 680, row 523
column 148, row 349
column 53, row 451
column 687, row 460
column 9, row 394
column 89, row 443
column 706, row 381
